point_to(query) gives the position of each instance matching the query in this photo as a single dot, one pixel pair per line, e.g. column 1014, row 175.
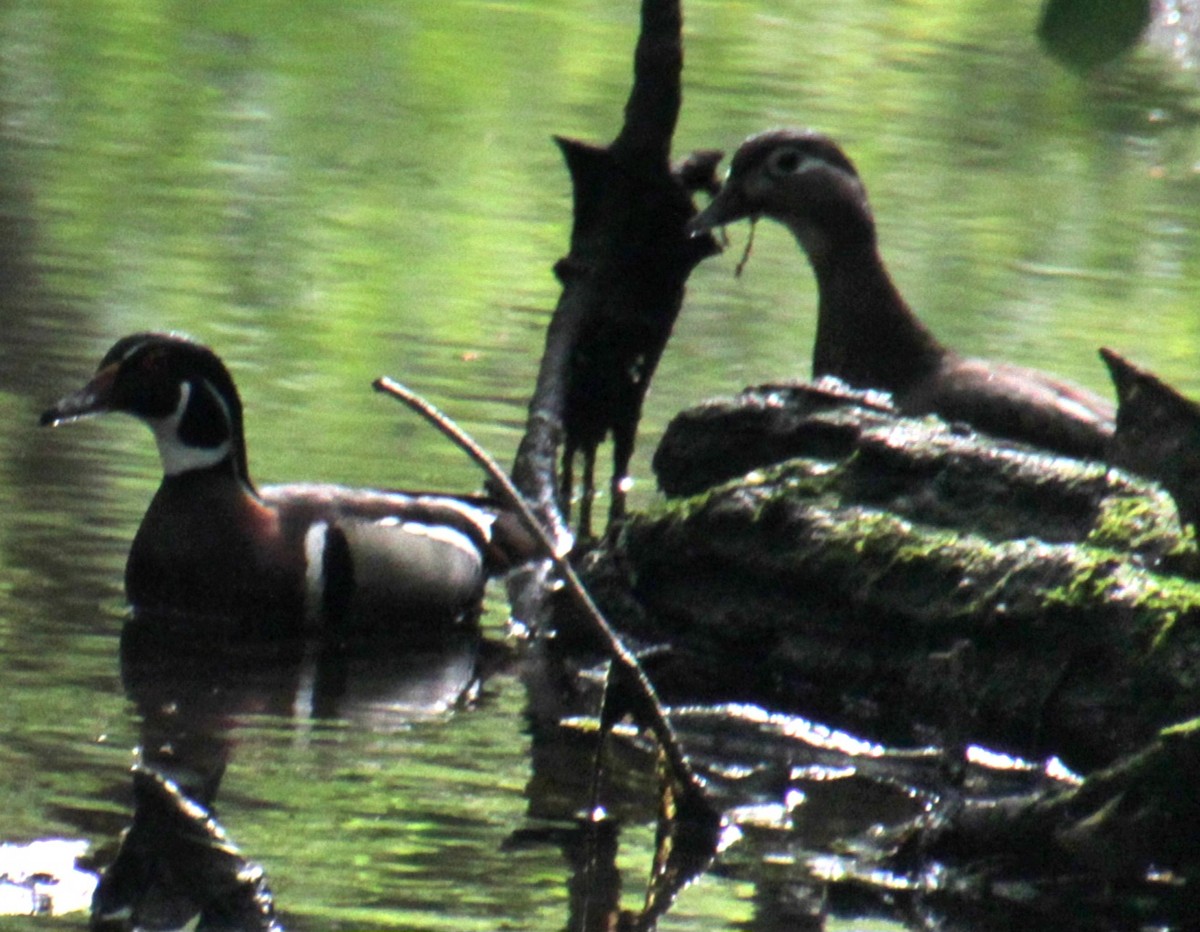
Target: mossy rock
column 921, row 584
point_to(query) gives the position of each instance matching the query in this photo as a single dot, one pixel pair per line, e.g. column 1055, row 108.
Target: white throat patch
column 177, row 457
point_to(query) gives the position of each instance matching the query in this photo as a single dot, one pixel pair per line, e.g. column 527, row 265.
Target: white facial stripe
column 149, row 338
column 132, row 348
column 177, row 457
column 811, row 162
column 314, row 572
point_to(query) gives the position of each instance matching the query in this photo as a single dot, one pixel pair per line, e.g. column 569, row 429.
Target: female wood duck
column 866, row 333
column 286, row 558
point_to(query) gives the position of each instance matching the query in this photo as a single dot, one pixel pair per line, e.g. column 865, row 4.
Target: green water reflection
column 328, row 192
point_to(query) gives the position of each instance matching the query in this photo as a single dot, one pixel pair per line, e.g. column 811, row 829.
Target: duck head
column 179, row 388
column 801, row 179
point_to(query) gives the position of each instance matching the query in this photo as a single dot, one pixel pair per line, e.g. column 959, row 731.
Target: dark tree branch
column 622, row 279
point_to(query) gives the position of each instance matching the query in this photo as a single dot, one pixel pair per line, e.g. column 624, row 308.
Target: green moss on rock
column 840, row 586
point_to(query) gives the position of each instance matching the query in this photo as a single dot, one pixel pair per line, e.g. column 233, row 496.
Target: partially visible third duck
column 866, row 333
column 1158, row 433
column 285, row 558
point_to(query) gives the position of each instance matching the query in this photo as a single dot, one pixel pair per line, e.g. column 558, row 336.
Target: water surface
column 329, row 192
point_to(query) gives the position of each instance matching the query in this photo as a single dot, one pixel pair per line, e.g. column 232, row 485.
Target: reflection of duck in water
column 866, row 333
column 176, row 861
column 294, row 556
column 191, row 694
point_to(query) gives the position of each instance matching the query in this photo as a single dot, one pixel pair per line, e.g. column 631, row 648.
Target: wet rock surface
column 907, row 580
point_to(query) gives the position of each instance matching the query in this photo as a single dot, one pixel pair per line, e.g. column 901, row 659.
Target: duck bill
column 729, row 205
column 94, row 398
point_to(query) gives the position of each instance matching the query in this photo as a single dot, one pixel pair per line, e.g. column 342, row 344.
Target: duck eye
column 786, row 161
column 153, row 362
column 152, row 388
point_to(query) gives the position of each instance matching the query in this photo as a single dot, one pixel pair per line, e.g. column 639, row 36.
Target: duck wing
column 1016, row 403
column 370, row 552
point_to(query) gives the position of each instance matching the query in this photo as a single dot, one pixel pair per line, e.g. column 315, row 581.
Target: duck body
column 286, row 558
column 305, row 552
column 177, row 562
column 867, row 335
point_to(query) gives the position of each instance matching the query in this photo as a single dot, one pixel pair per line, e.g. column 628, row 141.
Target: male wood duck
column 287, row 558
column 866, row 333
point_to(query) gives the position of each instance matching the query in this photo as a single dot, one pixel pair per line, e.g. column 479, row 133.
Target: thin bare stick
column 619, row 653
column 741, row 266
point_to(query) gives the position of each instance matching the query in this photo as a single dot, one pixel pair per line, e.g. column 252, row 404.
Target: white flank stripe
column 314, row 572
column 440, row 532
